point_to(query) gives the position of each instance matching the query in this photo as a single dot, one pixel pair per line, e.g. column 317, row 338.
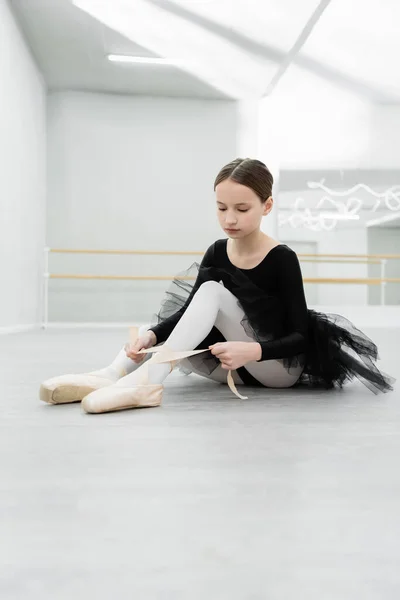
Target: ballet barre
column 199, row 253
column 377, row 259
column 368, row 280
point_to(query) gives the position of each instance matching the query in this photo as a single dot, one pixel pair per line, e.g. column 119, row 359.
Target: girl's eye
column 240, row 210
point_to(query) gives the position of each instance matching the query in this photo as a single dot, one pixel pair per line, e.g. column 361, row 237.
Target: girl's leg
column 122, row 365
column 214, row 305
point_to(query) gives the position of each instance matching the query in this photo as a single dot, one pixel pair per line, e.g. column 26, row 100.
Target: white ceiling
column 70, row 48
column 360, row 39
column 231, row 48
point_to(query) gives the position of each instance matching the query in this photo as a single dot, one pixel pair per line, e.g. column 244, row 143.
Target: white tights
column 212, row 306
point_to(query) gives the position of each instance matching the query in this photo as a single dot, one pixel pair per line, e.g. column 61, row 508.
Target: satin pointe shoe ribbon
column 163, row 354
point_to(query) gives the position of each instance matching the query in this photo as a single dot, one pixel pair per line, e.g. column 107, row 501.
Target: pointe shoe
column 120, row 398
column 71, row 388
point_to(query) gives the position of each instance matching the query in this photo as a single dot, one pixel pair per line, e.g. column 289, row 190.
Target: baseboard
column 93, row 325
column 18, row 328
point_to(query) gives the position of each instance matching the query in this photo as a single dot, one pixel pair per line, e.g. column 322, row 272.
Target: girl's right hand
column 148, row 340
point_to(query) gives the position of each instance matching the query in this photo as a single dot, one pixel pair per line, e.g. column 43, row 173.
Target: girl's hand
column 236, row 354
column 148, row 340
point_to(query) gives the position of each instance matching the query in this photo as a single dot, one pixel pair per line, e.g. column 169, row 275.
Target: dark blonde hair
column 250, row 172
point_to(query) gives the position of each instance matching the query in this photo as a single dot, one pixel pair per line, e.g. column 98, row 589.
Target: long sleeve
column 163, row 329
column 291, row 293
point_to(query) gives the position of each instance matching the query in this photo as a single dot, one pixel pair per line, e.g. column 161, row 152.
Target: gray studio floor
column 289, row 495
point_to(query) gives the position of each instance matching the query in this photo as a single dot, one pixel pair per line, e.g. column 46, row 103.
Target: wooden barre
column 385, row 256
column 157, row 252
column 366, row 280
column 119, row 277
column 311, row 260
column 337, row 261
column 186, row 253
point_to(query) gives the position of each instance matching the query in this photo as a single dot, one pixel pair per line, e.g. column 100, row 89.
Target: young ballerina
column 247, row 308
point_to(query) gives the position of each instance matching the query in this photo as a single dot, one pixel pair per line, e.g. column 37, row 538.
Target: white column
column 257, row 137
column 269, row 142
column 247, row 128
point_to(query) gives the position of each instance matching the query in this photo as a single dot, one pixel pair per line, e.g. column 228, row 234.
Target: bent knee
column 214, row 288
column 210, row 285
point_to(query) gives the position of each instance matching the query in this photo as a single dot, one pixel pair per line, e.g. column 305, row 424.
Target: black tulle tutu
column 336, row 352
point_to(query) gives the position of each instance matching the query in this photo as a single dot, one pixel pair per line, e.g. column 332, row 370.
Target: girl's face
column 239, row 209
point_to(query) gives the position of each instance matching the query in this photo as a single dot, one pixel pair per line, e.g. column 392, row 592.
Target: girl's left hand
column 236, row 354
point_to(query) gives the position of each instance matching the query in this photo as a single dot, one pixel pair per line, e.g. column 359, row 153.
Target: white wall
column 22, row 181
column 132, row 173
column 339, row 241
column 308, row 122
column 385, row 133
column 385, row 240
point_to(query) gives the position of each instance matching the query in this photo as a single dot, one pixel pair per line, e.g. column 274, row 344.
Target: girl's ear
column 268, row 204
